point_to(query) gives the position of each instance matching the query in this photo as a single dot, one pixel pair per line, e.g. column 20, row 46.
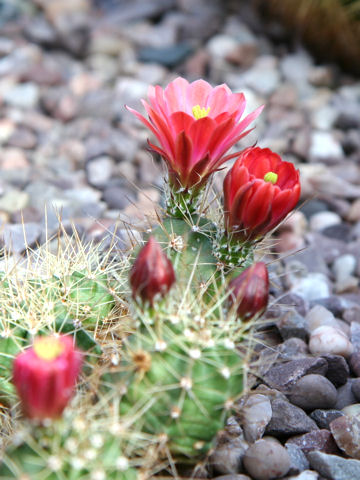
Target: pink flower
column 45, row 375
column 195, row 125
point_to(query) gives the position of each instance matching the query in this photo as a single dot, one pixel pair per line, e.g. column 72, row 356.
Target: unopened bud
column 152, row 273
column 250, row 291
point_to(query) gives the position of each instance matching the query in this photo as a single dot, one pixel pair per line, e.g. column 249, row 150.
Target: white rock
column 328, row 339
column 305, row 475
column 312, row 287
column 319, row 316
column 322, row 220
column 324, row 146
column 344, row 266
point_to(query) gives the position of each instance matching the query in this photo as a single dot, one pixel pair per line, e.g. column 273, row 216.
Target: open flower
column 259, row 191
column 250, row 291
column 152, row 273
column 195, row 125
column 45, row 376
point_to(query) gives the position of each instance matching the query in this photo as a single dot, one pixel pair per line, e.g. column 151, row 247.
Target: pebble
column 313, row 391
column 323, row 418
column 322, row 220
column 18, row 237
column 233, row 476
column 287, row 419
column 338, row 369
column 99, row 171
column 305, row 475
column 346, row 432
column 229, row 449
column 266, row 459
column 319, row 440
column 327, row 339
column 256, row 413
column 297, row 457
column 293, row 325
column 319, row 316
column 356, row 388
column 333, row 467
column 285, row 375
column 345, row 395
column 24, row 95
column 312, row 287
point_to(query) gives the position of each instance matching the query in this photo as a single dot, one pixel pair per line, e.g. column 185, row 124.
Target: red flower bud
column 45, row 375
column 250, row 291
column 259, row 191
column 152, row 273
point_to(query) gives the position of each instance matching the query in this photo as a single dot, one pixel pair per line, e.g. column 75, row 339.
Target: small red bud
column 250, row 291
column 152, row 273
column 45, row 375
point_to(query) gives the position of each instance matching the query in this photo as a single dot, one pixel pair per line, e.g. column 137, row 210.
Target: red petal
column 180, row 121
column 183, row 154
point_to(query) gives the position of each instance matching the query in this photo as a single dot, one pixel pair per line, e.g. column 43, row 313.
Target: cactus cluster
column 164, row 331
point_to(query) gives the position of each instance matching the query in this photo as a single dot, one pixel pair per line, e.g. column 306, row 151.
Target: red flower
column 195, row 125
column 45, row 375
column 259, row 191
column 152, row 273
column 250, row 291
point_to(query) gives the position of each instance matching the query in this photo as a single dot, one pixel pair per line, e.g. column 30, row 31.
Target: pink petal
column 175, row 95
column 181, row 121
column 197, row 94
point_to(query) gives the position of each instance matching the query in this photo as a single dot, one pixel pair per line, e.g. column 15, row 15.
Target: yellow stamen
column 271, row 177
column 199, row 112
column 48, row 348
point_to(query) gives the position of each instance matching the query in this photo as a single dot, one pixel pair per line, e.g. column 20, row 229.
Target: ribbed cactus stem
column 233, row 253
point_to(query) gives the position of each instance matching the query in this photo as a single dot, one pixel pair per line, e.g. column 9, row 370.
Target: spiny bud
column 250, row 291
column 152, row 273
column 45, row 375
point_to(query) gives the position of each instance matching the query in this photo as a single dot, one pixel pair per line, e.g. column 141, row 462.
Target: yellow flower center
column 48, row 348
column 271, row 177
column 199, row 112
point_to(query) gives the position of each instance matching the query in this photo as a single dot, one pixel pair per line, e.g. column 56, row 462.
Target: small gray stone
column 338, row 369
column 292, row 325
column 99, row 171
column 334, row 467
column 266, row 459
column 118, row 198
column 356, row 388
column 319, row 316
column 18, row 237
column 323, row 418
column 325, row 147
column 293, row 348
column 344, row 266
column 345, row 395
column 313, row 391
column 297, row 457
column 287, row 419
column 285, row 375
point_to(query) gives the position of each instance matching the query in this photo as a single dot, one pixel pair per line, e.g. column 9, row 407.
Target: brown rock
column 320, row 440
column 346, row 432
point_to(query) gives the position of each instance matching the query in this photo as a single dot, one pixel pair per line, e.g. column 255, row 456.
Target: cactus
column 181, row 372
column 162, row 363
